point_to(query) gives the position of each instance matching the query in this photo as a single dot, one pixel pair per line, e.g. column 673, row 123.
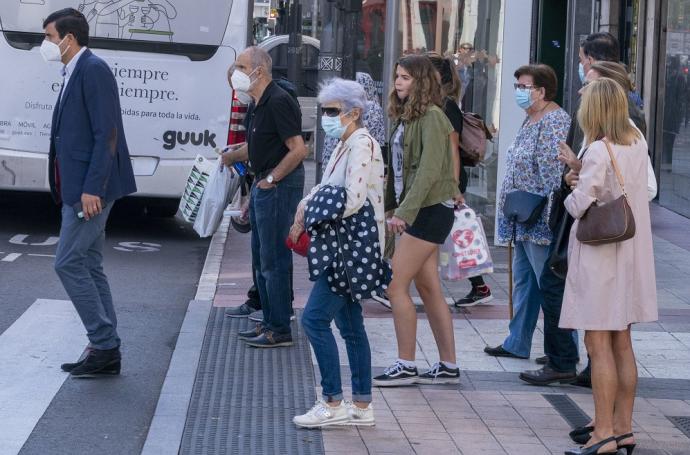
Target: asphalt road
column 153, row 265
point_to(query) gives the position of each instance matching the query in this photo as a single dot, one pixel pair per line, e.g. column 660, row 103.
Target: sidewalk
column 244, row 398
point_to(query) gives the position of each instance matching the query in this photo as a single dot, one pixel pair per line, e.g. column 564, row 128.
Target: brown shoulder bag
column 610, row 222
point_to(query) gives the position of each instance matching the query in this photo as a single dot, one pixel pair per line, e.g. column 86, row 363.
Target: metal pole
column 391, row 52
column 351, row 20
column 294, row 72
column 330, row 65
column 314, row 18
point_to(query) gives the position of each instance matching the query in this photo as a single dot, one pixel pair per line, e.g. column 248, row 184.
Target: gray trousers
column 79, row 264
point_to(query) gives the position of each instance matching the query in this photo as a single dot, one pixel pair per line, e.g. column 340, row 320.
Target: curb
column 167, row 426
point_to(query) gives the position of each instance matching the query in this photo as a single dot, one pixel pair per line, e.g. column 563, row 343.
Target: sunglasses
column 330, row 111
column 524, row 86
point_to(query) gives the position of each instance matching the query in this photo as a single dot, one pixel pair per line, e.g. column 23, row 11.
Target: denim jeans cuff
column 333, row 397
column 510, row 348
column 361, row 398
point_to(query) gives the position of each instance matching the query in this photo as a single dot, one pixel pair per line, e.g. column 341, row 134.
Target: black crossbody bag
column 521, row 206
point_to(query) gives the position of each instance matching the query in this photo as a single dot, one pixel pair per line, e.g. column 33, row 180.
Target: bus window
column 182, row 27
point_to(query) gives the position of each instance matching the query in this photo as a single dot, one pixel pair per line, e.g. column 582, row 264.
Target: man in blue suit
column 89, row 169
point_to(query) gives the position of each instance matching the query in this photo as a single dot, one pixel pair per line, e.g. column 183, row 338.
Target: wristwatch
column 270, row 179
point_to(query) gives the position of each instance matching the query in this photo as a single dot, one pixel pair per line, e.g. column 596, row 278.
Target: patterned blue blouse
column 532, row 165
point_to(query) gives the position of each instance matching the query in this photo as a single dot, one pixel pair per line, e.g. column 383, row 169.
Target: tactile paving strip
column 682, row 423
column 568, row 409
column 244, row 398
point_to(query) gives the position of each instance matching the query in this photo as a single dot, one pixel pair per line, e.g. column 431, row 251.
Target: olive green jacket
column 427, row 166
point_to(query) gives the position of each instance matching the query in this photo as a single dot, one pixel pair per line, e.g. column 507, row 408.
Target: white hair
column 349, row 94
column 259, row 57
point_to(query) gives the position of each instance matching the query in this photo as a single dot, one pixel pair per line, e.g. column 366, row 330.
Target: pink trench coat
column 611, row 286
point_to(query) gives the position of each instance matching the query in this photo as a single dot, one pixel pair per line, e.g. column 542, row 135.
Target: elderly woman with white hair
column 356, row 168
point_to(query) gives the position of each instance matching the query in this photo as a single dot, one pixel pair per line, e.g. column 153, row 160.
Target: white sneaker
column 360, row 416
column 323, row 415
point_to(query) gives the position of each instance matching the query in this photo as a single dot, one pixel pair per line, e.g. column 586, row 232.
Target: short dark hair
column 69, row 20
column 543, row 76
column 601, row 46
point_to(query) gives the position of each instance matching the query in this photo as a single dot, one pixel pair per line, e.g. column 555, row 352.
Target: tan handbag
column 610, row 222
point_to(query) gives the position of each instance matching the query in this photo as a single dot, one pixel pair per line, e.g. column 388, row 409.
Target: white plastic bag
column 222, row 185
column 197, row 181
column 466, row 251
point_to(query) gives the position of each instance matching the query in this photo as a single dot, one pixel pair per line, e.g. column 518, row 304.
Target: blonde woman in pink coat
column 610, row 287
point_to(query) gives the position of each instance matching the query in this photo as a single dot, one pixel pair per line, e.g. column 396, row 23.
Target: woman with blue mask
column 532, row 166
column 356, row 165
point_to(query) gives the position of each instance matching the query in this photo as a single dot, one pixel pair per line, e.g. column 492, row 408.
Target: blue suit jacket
column 87, row 138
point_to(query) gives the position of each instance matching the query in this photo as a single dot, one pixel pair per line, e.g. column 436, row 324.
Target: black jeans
column 559, row 344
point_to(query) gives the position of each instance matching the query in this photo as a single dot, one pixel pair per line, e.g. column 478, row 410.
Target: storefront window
column 370, row 43
column 471, row 32
column 674, row 190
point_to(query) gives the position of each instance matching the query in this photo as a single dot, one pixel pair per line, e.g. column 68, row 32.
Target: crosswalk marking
column 11, row 257
column 31, row 351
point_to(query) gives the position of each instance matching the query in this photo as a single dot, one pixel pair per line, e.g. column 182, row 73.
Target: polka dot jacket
column 347, row 250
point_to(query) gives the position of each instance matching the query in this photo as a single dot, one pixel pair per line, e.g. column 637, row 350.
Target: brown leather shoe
column 547, row 376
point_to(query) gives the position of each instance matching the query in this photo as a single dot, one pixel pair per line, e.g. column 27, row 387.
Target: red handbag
column 302, row 245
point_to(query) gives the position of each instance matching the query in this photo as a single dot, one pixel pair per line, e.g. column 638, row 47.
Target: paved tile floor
column 492, row 411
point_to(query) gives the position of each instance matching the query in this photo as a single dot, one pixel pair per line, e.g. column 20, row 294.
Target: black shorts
column 433, row 223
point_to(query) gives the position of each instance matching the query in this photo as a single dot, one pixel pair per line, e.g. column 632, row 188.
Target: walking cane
column 510, row 272
column 510, row 279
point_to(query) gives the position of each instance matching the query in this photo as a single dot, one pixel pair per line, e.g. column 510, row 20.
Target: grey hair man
column 275, row 150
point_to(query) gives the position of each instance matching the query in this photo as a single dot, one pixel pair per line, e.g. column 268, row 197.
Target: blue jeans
column 560, row 345
column 528, row 264
column 271, row 213
column 79, row 265
column 322, row 307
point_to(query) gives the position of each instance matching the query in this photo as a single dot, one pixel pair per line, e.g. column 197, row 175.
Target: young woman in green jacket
column 421, row 187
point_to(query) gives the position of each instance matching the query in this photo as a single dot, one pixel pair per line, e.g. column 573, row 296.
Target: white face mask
column 241, row 82
column 244, row 97
column 51, row 52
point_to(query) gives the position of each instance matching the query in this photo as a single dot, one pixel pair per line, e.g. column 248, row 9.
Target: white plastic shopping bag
column 222, row 185
column 197, row 181
column 466, row 251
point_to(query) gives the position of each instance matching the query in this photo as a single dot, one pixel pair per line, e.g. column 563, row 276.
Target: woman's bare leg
column 410, row 255
column 428, row 285
column 604, row 385
column 627, row 384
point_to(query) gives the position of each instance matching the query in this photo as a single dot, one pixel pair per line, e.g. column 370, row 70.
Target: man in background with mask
column 89, row 169
column 275, row 150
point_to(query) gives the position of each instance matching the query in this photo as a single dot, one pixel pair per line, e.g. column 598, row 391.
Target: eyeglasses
column 523, row 86
column 330, row 111
column 467, row 48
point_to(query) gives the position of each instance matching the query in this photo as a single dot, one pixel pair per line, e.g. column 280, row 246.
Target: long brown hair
column 604, row 113
column 450, row 82
column 424, row 92
column 615, row 71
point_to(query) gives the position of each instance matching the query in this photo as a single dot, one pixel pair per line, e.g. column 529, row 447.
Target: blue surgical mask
column 581, row 72
column 523, row 98
column 333, row 127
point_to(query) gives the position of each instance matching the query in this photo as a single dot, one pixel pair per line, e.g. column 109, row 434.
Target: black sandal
column 581, row 435
column 593, row 449
column 627, row 447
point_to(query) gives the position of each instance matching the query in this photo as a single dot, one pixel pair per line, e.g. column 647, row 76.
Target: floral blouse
column 532, row 165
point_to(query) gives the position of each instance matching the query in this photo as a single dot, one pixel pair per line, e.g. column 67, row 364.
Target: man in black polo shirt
column 275, row 150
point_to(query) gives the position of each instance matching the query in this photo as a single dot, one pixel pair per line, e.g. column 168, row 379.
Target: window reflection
column 674, row 189
column 471, row 32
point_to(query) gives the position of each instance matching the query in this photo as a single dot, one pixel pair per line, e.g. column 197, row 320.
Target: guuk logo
column 172, row 139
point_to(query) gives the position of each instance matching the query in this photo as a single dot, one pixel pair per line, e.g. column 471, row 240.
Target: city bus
column 169, row 58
